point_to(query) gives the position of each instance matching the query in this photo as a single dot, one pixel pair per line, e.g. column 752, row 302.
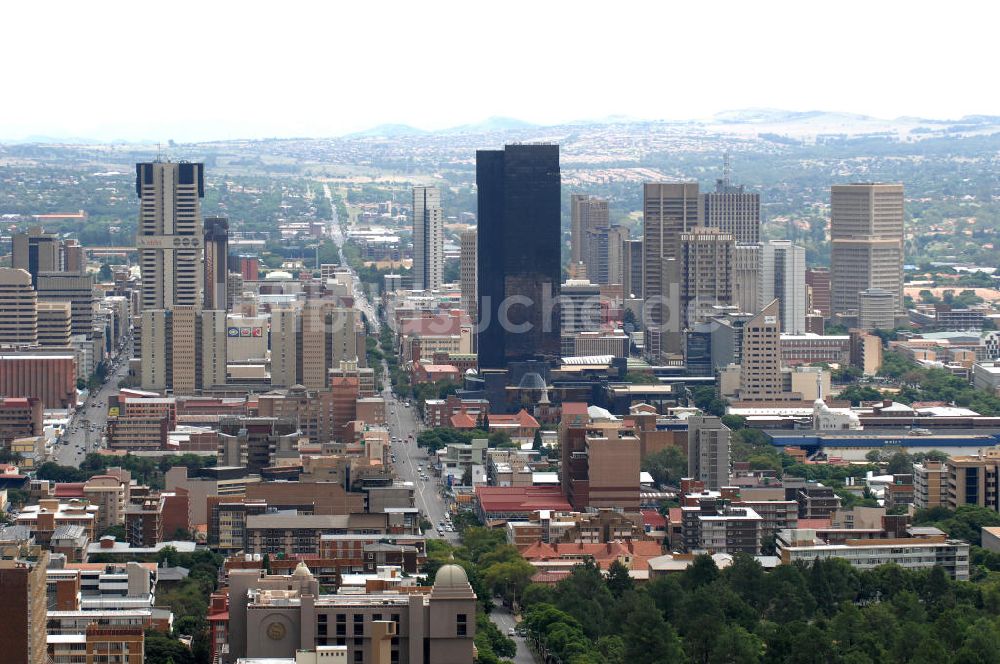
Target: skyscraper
column 669, row 209
column 216, row 261
column 467, row 271
column 170, row 236
column 706, row 269
column 428, row 238
column 731, row 209
column 760, row 361
column 783, row 277
column 866, row 232
column 708, row 451
column 746, row 277
column 606, row 255
column 632, row 268
column 818, row 281
column 35, row 251
column 19, row 304
column 183, row 349
column 519, row 253
column 588, row 214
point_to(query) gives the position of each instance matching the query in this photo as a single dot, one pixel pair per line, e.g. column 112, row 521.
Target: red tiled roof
column 654, row 518
column 522, row 418
column 676, row 515
column 463, row 420
column 603, row 554
column 814, row 523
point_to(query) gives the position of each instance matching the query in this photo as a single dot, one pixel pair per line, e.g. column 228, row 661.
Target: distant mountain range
column 747, row 122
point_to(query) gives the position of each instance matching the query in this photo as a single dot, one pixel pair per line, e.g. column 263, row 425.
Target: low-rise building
column 921, row 548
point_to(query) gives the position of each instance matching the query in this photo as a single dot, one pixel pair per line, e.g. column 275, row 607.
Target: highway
column 79, row 439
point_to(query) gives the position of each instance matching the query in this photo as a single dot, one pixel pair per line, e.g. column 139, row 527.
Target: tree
column 667, row 466
column 536, row 443
column 618, row 579
column 648, row 638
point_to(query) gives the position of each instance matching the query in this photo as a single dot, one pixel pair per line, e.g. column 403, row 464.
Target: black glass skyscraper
column 519, row 244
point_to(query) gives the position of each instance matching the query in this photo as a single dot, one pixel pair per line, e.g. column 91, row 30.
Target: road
column 79, row 439
column 361, row 301
column 502, row 618
column 427, row 494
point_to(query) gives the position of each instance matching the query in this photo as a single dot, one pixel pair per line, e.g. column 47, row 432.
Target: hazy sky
column 210, row 69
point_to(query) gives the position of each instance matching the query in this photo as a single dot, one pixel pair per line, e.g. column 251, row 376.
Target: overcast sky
column 210, row 69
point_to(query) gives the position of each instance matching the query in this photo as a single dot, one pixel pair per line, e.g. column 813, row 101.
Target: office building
column 467, row 271
column 55, row 324
column 428, row 238
column 708, row 451
column 733, row 210
column 760, row 362
column 606, row 255
column 18, row 304
column 588, row 214
column 866, row 251
column 216, row 262
column 876, row 309
column 579, row 311
column 668, row 211
column 22, row 603
column 75, row 288
column 711, row 526
column 519, row 244
column 783, row 277
column 49, row 378
column 746, row 277
column 284, row 346
column 706, row 270
column 632, row 268
column 818, row 283
column 36, row 251
column 170, row 234
column 183, row 349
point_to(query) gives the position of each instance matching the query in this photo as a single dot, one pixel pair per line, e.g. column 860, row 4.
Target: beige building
column 183, row 350
column 930, row 484
column 866, row 352
column 275, row 616
column 587, row 215
column 876, row 309
column 669, row 209
column 760, row 367
column 468, row 271
column 55, row 324
column 284, row 346
column 110, row 492
column 612, row 466
column 78, row 290
column 18, row 302
column 746, row 277
column 706, row 267
column 170, row 234
column 866, row 232
column 972, row 480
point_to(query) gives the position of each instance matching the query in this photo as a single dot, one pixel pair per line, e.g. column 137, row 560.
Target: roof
column 521, row 499
column 638, row 552
column 463, row 420
column 522, row 419
column 69, row 490
column 654, row 518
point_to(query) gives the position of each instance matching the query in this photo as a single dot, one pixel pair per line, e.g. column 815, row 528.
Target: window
column 359, row 656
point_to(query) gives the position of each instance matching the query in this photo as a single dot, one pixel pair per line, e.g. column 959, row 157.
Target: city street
column 504, row 620
column 403, row 422
column 79, row 439
column 361, row 301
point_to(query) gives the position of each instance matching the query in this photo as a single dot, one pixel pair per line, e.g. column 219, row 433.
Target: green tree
column 667, row 466
column 618, row 579
column 648, row 638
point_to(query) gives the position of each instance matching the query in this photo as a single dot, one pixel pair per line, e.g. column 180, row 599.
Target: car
column 511, row 632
